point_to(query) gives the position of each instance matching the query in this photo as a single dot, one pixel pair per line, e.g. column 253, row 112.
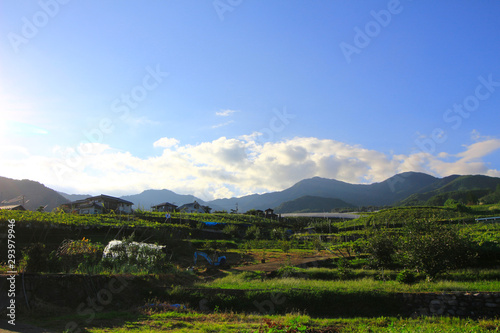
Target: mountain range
column 29, row 193
column 313, row 194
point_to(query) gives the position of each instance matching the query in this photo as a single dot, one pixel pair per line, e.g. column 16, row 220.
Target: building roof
column 102, row 197
column 13, row 207
column 164, row 204
column 190, row 204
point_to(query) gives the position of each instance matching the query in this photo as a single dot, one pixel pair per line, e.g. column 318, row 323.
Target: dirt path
column 275, row 265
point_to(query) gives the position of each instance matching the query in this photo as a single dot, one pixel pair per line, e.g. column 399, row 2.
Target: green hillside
column 29, row 193
column 311, row 204
column 465, row 189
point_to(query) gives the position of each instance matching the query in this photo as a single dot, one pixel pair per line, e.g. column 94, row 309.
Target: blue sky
column 225, row 98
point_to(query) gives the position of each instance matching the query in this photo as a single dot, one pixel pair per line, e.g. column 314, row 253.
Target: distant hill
column 74, row 197
column 384, row 193
column 407, row 189
column 35, row 194
column 311, row 204
column 148, row 198
column 465, row 197
column 455, row 187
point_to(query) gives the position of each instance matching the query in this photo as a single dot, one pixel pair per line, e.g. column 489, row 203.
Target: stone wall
column 108, row 292
column 460, row 304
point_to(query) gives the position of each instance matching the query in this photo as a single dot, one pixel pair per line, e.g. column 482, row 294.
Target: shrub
column 433, row 248
column 289, row 271
column 253, row 232
column 73, row 253
column 230, row 230
column 316, row 244
column 35, row 259
column 382, row 247
column 285, row 246
column 344, row 268
column 279, row 234
column 455, row 205
column 406, row 276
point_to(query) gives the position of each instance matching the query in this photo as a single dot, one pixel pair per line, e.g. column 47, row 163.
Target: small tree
column 230, row 230
column 278, row 234
column 453, row 204
column 433, row 248
column 253, row 232
column 35, row 258
column 382, row 247
column 285, row 246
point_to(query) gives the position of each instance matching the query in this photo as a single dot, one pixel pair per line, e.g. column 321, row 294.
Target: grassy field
column 358, row 297
column 152, row 320
column 251, row 281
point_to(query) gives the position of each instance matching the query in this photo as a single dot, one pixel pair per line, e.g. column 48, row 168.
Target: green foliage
column 279, row 234
column 493, row 197
column 289, row 271
column 344, row 268
column 292, row 326
column 35, row 259
column 73, row 253
column 397, row 217
column 230, row 230
column 433, row 248
column 308, row 204
column 316, row 244
column 255, row 212
column 347, row 249
column 285, row 246
column 211, row 246
column 253, row 232
column 406, row 276
column 381, row 246
column 455, row 205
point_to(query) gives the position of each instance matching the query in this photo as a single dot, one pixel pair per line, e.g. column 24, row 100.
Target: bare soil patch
column 275, row 265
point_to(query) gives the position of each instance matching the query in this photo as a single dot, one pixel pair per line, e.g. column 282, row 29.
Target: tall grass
column 365, row 285
column 233, row 322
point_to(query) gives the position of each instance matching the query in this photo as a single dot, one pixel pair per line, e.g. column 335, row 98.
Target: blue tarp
column 213, row 223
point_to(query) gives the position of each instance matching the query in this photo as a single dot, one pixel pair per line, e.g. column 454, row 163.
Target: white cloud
column 228, row 167
column 166, row 142
column 479, row 149
column 225, row 113
column 223, row 124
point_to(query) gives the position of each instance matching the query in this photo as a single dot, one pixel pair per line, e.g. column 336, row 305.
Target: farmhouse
column 194, row 207
column 100, row 204
column 164, row 207
column 269, row 214
column 13, row 207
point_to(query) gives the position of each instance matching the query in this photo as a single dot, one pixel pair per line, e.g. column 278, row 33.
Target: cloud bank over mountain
column 228, row 167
